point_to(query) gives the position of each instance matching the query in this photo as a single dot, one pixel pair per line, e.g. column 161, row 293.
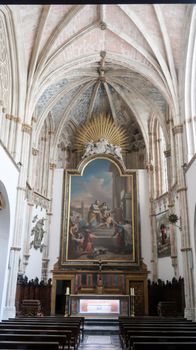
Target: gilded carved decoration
column 101, row 135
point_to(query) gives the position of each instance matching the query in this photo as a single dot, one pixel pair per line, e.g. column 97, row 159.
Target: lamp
column 173, row 218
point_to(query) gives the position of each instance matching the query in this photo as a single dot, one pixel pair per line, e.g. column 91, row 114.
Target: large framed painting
column 163, row 235
column 100, row 213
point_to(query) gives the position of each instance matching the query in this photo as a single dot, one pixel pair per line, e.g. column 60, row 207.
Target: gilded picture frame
column 100, row 213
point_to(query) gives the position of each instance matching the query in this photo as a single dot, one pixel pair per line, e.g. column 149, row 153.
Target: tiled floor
column 100, row 342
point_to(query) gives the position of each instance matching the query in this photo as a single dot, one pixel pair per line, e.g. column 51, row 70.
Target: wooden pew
column 52, row 319
column 164, row 346
column 157, row 333
column 63, row 337
column 147, row 339
column 75, row 330
column 125, row 328
column 28, row 345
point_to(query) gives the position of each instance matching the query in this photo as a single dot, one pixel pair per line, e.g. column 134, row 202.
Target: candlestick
column 132, row 292
column 67, row 291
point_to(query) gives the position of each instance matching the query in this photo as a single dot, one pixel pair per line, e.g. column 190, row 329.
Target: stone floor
column 100, row 342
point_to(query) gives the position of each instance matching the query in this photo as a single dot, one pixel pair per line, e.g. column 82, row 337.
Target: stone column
column 185, row 235
column 32, row 172
column 27, row 233
column 173, row 242
column 45, row 259
column 14, row 137
column 9, row 310
column 150, row 171
column 1, row 116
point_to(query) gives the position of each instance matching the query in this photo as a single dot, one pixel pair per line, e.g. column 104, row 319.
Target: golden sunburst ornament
column 102, row 127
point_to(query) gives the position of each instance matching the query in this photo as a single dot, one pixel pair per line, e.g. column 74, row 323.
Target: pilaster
column 185, row 236
column 173, row 242
column 16, row 244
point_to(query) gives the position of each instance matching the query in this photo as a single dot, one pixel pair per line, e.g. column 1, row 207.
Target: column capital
column 35, row 151
column 15, row 248
column 149, row 167
column 9, row 116
column 167, row 153
column 177, row 129
column 52, row 165
column 26, row 128
column 16, row 119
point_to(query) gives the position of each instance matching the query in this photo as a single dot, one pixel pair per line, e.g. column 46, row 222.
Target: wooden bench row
column 140, row 335
column 54, row 331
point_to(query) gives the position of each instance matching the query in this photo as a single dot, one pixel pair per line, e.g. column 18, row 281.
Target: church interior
column 98, row 161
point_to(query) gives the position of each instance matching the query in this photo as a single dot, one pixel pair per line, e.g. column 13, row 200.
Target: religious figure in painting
column 94, row 215
column 163, row 231
column 100, row 222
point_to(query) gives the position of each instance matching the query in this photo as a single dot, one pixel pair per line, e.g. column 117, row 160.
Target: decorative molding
column 12, row 117
column 31, row 204
column 181, row 189
column 167, row 153
column 170, row 205
column 40, row 200
column 26, row 128
column 35, row 151
column 9, row 116
column 177, row 129
column 149, row 167
column 52, row 166
column 16, row 119
column 15, row 248
column 103, row 25
column 186, row 249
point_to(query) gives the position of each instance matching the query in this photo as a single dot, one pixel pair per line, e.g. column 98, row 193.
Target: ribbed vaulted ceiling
column 82, row 60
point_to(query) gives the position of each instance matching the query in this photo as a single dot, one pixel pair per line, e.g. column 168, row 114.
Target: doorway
column 61, row 287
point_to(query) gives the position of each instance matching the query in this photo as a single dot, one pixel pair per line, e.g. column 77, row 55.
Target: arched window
column 159, row 161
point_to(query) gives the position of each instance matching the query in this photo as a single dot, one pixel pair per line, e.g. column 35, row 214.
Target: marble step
column 100, row 342
column 102, row 323
column 100, row 330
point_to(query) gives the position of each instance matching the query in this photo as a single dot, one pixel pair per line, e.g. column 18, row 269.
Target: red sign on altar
column 99, row 306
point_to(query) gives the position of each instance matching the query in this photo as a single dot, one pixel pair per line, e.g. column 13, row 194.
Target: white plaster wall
column 34, row 267
column 178, row 241
column 191, row 202
column 55, row 233
column 9, row 178
column 146, row 239
column 165, row 268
